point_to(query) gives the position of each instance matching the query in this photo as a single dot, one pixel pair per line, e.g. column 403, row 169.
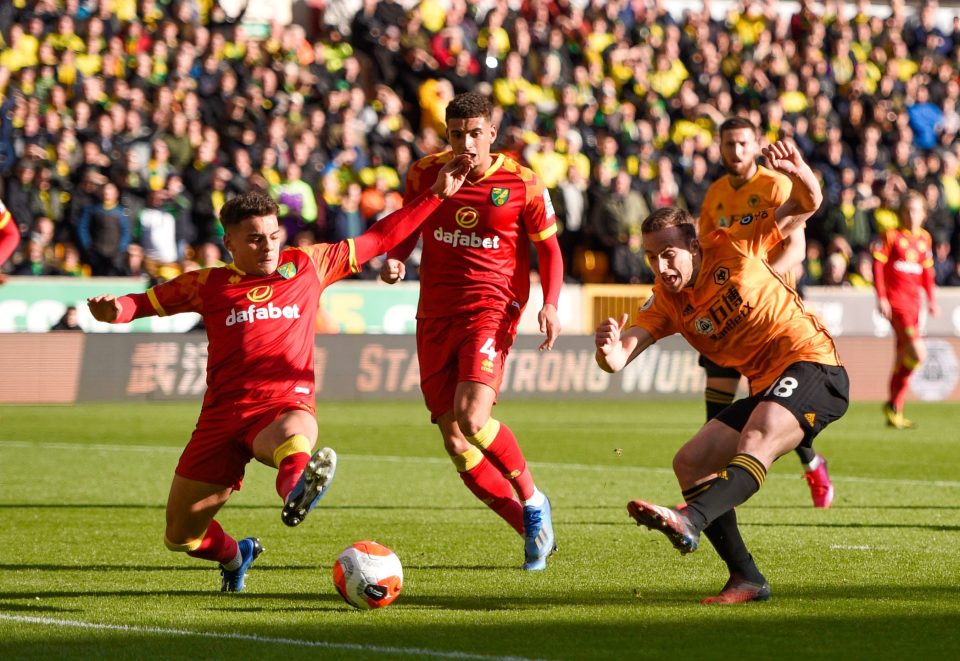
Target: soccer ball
column 368, row 575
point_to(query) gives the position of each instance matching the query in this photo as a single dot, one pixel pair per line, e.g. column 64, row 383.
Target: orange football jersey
column 738, row 313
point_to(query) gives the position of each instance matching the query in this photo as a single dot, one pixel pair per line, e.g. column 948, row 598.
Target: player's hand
column 933, row 308
column 549, row 324
column 885, row 308
column 392, row 271
column 104, row 308
column 3, row 278
column 783, row 157
column 607, row 335
column 452, row 175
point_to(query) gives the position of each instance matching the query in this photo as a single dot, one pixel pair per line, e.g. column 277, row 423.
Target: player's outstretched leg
column 671, row 522
column 539, row 541
column 818, row 479
column 739, row 590
column 247, row 551
column 311, row 486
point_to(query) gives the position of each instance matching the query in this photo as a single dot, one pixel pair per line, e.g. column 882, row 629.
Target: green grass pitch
column 84, row 574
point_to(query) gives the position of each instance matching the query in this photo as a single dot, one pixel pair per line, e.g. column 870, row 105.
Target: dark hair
column 666, row 217
column 252, row 204
column 469, row 105
column 734, row 123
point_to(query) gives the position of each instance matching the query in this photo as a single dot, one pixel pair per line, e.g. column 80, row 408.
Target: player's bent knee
column 182, row 547
column 296, row 444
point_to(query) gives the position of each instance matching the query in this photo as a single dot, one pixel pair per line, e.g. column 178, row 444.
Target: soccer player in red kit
column 902, row 266
column 9, row 235
column 474, row 284
column 259, row 312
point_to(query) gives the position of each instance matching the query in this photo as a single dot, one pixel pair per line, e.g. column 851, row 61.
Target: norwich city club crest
column 287, row 270
column 499, row 196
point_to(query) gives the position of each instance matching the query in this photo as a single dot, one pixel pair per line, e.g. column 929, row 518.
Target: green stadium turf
column 84, row 574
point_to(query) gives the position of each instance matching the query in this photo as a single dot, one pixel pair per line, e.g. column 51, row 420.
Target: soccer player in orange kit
column 720, row 292
column 902, row 266
column 474, row 284
column 259, row 312
column 746, row 188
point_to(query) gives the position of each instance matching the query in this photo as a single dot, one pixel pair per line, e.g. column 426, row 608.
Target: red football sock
column 486, row 483
column 898, row 386
column 289, row 471
column 216, row 545
column 505, row 454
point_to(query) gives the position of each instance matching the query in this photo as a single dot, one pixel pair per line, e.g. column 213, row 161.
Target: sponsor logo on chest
column 257, row 311
column 467, row 218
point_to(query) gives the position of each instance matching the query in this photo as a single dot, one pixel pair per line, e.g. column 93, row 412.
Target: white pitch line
column 601, row 468
column 354, row 647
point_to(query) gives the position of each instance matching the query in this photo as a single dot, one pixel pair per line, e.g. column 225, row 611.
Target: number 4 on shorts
column 488, row 349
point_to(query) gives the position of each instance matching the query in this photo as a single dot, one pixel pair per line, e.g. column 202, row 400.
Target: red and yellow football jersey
column 9, row 233
column 476, row 245
column 738, row 313
column 903, row 264
column 260, row 328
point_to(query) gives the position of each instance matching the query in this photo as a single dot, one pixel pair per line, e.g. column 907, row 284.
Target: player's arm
column 182, row 294
column 805, row 194
column 120, row 309
column 616, row 347
column 881, row 254
column 927, row 280
column 402, row 223
column 551, row 279
column 9, row 234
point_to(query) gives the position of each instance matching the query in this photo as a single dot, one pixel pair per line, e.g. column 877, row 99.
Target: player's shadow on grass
column 904, row 526
column 82, row 506
column 233, row 506
column 34, row 607
column 89, row 568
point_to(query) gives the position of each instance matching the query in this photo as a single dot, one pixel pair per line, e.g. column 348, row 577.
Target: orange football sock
column 486, row 483
column 500, row 446
column 216, row 545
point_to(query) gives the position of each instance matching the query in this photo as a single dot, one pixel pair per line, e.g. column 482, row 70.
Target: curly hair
column 252, row 204
column 469, row 105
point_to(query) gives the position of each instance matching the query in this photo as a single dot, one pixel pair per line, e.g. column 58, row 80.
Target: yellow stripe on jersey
column 484, row 437
column 354, row 267
column 155, row 302
column 545, row 234
column 5, row 217
column 467, row 460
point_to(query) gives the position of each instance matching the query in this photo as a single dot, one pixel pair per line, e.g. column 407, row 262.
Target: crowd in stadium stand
column 126, row 124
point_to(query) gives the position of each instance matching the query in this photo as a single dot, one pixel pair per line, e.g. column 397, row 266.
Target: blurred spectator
column 162, row 95
column 104, row 232
column 944, row 264
column 629, row 266
column 70, row 321
column 155, row 232
column 36, row 261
